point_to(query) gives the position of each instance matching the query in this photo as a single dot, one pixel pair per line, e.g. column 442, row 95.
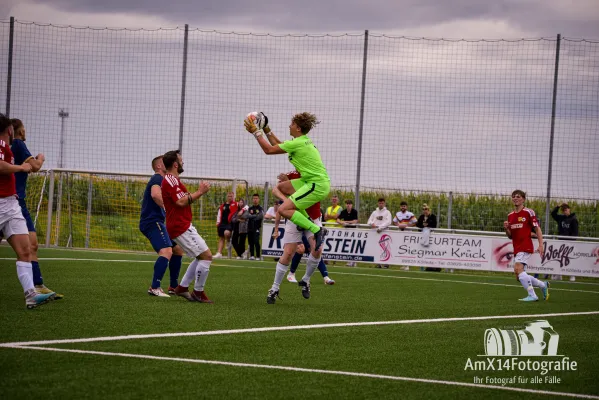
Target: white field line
column 316, row 371
column 219, row 264
column 290, row 328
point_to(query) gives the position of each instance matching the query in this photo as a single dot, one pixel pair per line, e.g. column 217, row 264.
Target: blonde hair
column 425, row 206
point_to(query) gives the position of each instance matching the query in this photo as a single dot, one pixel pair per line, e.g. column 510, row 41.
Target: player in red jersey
column 12, row 222
column 177, row 203
column 291, row 238
column 519, row 227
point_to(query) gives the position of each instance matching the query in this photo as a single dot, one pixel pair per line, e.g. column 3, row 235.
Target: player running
column 177, row 203
column 151, row 224
column 314, row 184
column 22, row 155
column 518, row 227
column 12, row 222
column 292, row 237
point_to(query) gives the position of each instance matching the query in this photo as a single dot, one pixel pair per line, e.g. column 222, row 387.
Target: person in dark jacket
column 567, row 225
column 426, row 222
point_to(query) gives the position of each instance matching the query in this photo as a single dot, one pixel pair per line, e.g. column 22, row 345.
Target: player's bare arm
column 156, row 193
column 275, row 234
column 270, row 135
column 7, row 168
column 508, row 231
column 259, row 135
column 541, row 248
column 36, row 162
column 186, row 201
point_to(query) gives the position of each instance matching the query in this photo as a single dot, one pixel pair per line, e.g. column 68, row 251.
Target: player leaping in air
column 314, row 184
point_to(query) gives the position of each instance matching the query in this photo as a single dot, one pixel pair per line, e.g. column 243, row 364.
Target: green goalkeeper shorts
column 308, row 193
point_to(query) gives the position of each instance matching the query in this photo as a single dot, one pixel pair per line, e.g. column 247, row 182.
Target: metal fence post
column 50, row 205
column 183, row 82
column 449, row 208
column 234, row 189
column 89, row 211
column 58, row 208
column 361, row 128
column 11, row 38
column 551, row 137
column 265, row 204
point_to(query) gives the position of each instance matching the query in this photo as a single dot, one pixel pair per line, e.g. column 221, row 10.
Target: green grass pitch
column 416, row 356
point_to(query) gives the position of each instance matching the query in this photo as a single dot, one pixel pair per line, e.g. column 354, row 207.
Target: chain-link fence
column 399, row 115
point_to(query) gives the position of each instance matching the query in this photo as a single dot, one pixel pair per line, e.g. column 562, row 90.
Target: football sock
column 160, row 267
column 37, row 273
column 25, row 275
column 311, row 266
column 202, row 271
column 524, row 279
column 537, row 283
column 304, row 222
column 322, row 267
column 279, row 275
column 174, row 267
column 295, row 262
column 190, row 274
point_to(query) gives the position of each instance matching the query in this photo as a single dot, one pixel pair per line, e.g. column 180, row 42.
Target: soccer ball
column 258, row 119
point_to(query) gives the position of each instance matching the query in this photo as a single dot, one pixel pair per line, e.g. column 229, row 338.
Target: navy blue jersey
column 150, row 211
column 21, row 154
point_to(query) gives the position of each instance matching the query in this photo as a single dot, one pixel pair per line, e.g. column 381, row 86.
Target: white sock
column 537, row 282
column 190, row 274
column 279, row 275
column 25, row 274
column 524, row 279
column 311, row 266
column 202, row 271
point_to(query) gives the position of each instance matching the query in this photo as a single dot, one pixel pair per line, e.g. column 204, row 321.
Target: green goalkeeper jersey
column 305, row 157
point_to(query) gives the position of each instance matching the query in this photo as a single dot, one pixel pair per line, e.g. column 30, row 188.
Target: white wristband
column 258, row 133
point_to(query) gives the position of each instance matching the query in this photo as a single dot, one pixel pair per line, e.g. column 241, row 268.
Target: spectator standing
column 404, row 219
column 567, row 225
column 380, row 219
column 426, row 222
column 348, row 218
column 240, row 228
column 256, row 214
column 332, row 212
column 223, row 223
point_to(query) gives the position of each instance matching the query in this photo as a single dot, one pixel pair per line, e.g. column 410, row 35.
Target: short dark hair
column 255, row 195
column 381, row 199
column 348, row 201
column 155, row 161
column 170, row 157
column 403, row 203
column 565, row 206
column 520, row 192
column 5, row 122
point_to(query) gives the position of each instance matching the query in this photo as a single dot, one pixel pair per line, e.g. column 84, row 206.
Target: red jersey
column 314, row 210
column 522, row 225
column 7, row 182
column 178, row 219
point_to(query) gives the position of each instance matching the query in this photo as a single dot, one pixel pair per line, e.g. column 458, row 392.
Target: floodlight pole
column 62, row 113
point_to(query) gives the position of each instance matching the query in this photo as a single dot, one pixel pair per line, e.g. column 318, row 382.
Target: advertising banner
column 457, row 251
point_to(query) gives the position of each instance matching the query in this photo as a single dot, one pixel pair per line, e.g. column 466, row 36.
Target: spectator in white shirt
column 380, row 219
column 404, row 218
column 271, row 213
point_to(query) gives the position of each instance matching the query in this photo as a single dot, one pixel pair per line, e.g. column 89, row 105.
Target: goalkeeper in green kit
column 314, row 184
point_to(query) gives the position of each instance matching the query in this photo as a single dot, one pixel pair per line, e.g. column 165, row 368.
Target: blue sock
column 159, row 269
column 37, row 274
column 295, row 262
column 322, row 267
column 174, row 267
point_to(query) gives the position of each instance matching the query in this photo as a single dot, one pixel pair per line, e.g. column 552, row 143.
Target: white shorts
column 294, row 235
column 522, row 258
column 12, row 221
column 191, row 242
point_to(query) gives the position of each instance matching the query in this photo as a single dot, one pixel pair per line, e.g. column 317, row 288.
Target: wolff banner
column 484, row 253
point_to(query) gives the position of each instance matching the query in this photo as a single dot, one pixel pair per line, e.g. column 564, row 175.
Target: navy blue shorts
column 158, row 236
column 27, row 216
